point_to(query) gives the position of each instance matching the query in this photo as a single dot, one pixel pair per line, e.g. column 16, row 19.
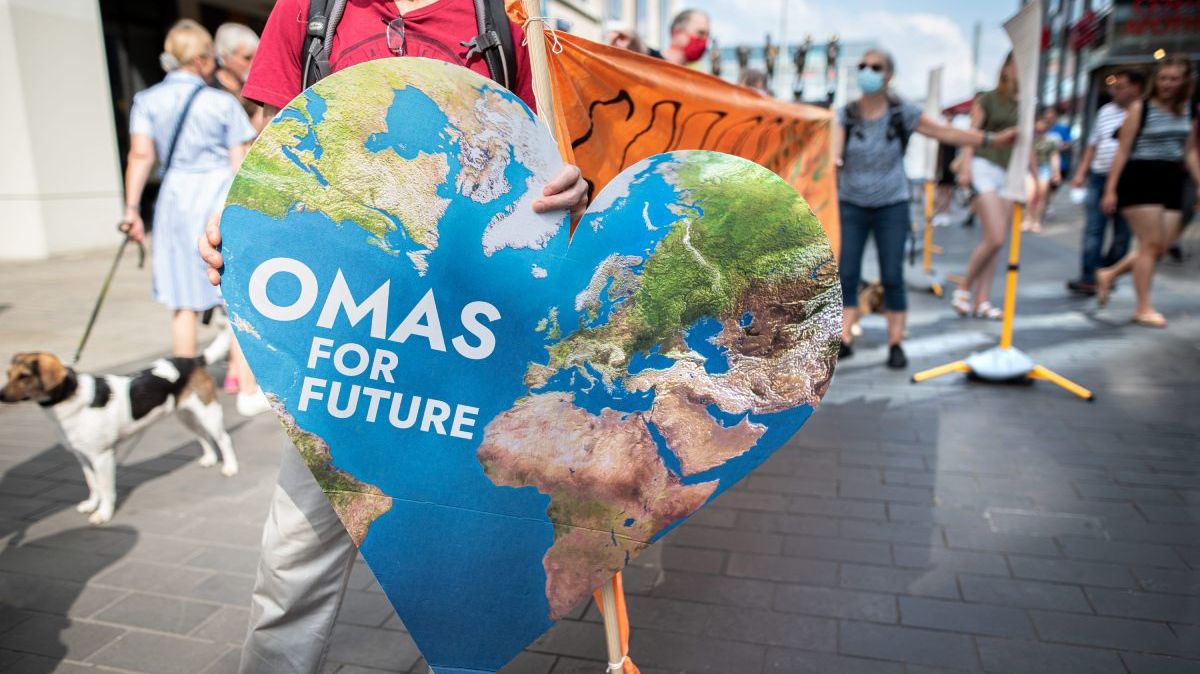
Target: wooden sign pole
column 535, row 37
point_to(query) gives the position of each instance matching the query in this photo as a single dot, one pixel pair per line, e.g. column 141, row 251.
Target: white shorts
column 987, row 175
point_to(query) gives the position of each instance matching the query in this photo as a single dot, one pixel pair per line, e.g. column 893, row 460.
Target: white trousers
column 306, row 561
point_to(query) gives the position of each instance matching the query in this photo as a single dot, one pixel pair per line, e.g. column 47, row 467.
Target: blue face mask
column 870, row 81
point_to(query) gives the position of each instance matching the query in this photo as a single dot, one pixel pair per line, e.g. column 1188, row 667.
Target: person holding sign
column 306, row 553
column 1156, row 152
column 869, row 142
column 986, row 171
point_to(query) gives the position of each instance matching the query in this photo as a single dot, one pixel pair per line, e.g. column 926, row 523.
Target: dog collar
column 64, row 390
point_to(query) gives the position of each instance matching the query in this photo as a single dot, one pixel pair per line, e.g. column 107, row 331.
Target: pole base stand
column 933, row 282
column 1004, row 365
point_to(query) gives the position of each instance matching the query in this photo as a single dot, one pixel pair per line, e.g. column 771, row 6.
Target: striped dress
column 194, row 187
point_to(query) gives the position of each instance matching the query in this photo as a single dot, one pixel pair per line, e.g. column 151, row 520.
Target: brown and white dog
column 95, row 412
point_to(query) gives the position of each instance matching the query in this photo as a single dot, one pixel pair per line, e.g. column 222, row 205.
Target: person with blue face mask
column 870, row 140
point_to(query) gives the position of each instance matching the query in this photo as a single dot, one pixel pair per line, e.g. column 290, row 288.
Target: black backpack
column 896, row 130
column 494, row 41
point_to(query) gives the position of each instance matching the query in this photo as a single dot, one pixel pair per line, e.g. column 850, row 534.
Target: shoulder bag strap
column 187, row 106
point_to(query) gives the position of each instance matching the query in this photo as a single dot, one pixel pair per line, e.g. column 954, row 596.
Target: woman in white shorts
column 986, row 170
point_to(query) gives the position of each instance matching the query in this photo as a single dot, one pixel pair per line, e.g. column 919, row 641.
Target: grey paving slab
column 786, row 661
column 1143, row 663
column 1086, row 573
column 957, row 616
column 1104, row 632
column 157, row 612
column 904, row 644
column 834, row 603
column 931, row 583
column 147, row 652
column 1003, row 656
column 1023, row 593
column 55, row 636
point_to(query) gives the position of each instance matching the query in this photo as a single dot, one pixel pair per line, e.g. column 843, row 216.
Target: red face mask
column 695, row 48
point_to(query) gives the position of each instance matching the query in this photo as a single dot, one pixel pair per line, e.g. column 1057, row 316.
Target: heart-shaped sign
column 503, row 416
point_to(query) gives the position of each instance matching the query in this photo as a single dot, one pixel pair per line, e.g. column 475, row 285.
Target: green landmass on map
column 356, row 503
column 744, row 243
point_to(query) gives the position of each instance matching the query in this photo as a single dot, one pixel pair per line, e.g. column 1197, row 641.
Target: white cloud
column 919, row 41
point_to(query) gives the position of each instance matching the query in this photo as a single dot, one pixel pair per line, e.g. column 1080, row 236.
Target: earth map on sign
column 686, row 334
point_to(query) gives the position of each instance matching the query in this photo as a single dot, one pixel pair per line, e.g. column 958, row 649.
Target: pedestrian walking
column 1045, row 170
column 870, row 140
column 1125, row 87
column 306, row 553
column 986, row 170
column 198, row 135
column 1156, row 151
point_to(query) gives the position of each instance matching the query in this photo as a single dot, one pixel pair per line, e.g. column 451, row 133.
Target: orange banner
column 615, row 108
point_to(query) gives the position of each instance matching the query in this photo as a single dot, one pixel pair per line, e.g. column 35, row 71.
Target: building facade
column 819, row 84
column 72, row 68
column 1084, row 41
column 650, row 18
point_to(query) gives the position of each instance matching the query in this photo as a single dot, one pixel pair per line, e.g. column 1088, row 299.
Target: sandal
column 1150, row 320
column 987, row 311
column 961, row 301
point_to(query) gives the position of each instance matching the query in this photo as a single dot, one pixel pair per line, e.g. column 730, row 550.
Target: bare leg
column 1147, row 223
column 183, row 333
column 246, row 379
column 895, row 326
column 849, row 320
column 1037, row 206
column 236, row 362
column 993, row 213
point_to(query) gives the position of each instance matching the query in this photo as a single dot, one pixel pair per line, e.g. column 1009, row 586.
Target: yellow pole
column 928, row 248
column 1010, row 285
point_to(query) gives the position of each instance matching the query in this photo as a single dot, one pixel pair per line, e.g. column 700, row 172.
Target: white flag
column 1025, row 33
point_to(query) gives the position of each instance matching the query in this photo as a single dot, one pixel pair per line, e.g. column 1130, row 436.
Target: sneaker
column 845, row 351
column 252, row 404
column 1082, row 287
column 896, row 358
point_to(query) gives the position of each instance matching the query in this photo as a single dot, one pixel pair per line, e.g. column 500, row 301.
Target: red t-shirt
column 434, row 31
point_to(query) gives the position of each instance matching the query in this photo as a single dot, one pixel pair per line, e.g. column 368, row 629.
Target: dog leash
column 124, row 229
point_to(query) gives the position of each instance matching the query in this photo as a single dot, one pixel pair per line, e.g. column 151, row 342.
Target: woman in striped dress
column 199, row 136
column 1156, row 152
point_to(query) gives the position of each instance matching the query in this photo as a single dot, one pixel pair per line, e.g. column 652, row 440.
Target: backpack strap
column 323, row 18
column 852, row 115
column 896, row 128
column 494, row 42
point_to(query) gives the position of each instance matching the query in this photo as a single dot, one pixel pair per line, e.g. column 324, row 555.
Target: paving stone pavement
column 909, row 529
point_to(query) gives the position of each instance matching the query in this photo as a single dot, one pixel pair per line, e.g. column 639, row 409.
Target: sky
column 921, row 34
